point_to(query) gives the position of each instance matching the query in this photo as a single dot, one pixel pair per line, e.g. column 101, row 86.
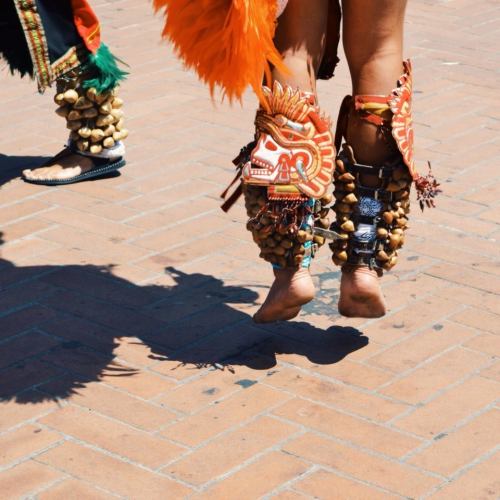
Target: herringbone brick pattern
column 129, row 365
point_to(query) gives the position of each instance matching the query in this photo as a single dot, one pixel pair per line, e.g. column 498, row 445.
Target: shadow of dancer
column 61, row 325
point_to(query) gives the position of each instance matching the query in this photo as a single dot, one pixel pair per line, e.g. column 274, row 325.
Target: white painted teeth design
column 262, row 163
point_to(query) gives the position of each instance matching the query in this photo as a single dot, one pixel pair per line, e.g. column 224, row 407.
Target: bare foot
column 292, row 288
column 64, row 168
column 360, row 294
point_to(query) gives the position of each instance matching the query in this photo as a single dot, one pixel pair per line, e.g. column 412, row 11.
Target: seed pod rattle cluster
column 392, row 223
column 321, row 217
column 95, row 120
column 394, row 220
column 283, row 230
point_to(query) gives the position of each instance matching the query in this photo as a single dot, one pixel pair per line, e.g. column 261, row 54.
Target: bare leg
column 375, row 66
column 300, row 37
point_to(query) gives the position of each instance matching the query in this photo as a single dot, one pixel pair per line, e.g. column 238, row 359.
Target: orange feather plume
column 229, row 43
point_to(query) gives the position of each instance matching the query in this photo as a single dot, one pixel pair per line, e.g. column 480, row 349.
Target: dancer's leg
column 373, row 43
column 300, row 37
column 96, row 125
column 86, row 75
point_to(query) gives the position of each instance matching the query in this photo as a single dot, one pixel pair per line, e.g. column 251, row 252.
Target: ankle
column 350, row 269
column 290, row 272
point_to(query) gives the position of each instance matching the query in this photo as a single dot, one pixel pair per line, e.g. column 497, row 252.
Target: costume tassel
column 427, row 189
column 104, row 71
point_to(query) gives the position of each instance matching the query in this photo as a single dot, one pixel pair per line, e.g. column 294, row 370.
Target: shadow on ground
column 12, row 166
column 61, row 325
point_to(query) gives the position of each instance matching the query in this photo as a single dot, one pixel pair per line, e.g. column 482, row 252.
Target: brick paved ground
column 129, row 366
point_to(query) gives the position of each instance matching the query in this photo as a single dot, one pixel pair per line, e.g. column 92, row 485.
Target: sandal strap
column 66, row 151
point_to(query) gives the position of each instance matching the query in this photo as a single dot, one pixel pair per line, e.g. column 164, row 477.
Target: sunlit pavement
column 129, row 365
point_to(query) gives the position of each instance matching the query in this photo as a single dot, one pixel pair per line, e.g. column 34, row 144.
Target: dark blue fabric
column 13, row 46
column 60, row 30
column 58, row 25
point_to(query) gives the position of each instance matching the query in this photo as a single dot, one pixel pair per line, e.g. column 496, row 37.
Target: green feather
column 104, row 71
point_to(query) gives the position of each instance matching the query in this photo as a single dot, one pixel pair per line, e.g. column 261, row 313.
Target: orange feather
column 229, row 43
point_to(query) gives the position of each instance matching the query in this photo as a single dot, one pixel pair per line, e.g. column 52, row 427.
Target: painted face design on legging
column 282, row 165
column 294, row 145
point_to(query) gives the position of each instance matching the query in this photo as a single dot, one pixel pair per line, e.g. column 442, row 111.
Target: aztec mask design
column 294, row 155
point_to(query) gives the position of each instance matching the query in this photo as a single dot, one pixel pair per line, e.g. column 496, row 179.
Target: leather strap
column 68, row 151
column 375, row 193
column 359, row 168
column 233, row 198
column 62, row 154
